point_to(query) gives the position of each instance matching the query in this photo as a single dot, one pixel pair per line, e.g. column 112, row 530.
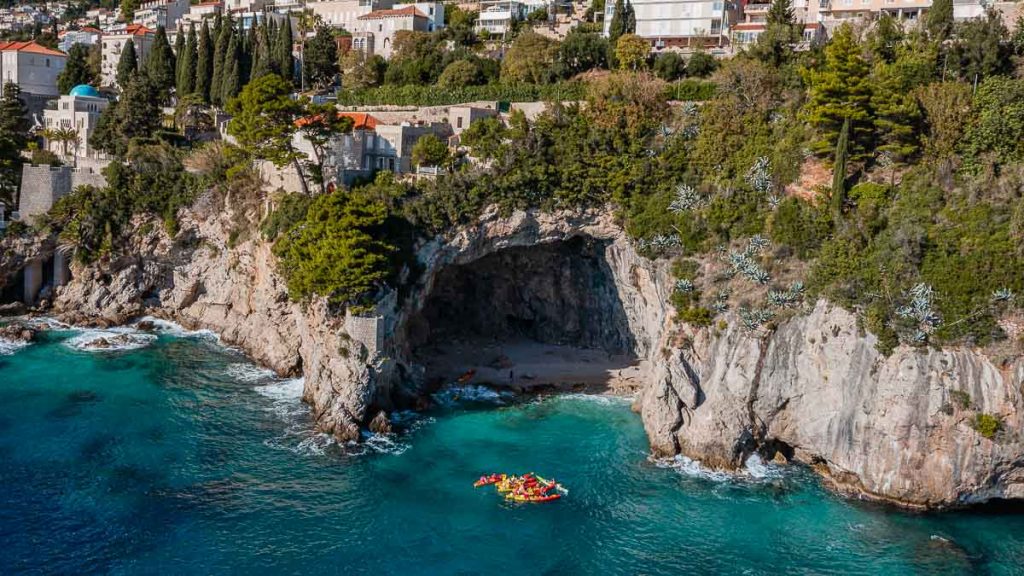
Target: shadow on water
column 73, row 403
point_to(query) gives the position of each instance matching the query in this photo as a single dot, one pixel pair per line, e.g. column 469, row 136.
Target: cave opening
column 547, row 314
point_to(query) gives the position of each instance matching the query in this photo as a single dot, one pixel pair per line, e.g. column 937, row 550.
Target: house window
column 458, row 122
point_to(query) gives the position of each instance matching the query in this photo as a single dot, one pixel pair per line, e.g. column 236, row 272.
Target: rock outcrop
column 899, row 429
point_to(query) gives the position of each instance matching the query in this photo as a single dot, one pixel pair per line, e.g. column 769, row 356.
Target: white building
column 34, row 68
column 346, row 13
column 113, row 44
column 80, row 111
column 166, row 13
column 496, row 16
column 87, row 35
column 678, row 23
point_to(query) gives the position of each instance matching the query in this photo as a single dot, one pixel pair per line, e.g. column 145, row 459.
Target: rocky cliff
column 815, row 390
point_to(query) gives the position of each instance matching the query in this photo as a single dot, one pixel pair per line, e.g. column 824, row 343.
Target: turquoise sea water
column 183, row 458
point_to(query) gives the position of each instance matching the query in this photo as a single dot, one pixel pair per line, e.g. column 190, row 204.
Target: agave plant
column 754, row 319
column 684, row 285
column 687, row 198
column 760, row 175
column 920, row 311
column 787, row 298
column 1002, row 295
column 743, row 263
column 721, row 302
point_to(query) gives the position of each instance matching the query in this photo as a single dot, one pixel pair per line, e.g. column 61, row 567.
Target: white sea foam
column 250, row 373
column 110, row 340
column 9, row 347
column 757, row 468
column 602, row 399
column 754, row 469
column 173, row 329
column 451, row 395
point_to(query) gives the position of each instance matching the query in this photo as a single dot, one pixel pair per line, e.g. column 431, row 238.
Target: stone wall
column 42, row 186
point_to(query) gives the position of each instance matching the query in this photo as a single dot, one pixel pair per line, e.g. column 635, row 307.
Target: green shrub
column 876, row 320
column 692, row 90
column 987, row 425
column 427, row 95
column 695, row 316
column 800, row 225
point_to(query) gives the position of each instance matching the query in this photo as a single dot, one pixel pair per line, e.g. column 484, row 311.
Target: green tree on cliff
column 127, row 65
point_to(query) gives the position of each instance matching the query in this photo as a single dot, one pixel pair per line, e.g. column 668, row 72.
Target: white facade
column 668, row 23
column 164, row 13
column 345, row 13
column 34, row 68
column 79, row 113
column 496, row 16
column 434, row 11
column 88, row 36
column 114, row 43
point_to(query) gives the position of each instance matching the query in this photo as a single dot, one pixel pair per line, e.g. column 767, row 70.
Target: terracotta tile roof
column 138, row 30
column 407, row 11
column 30, row 47
column 90, row 29
column 360, row 120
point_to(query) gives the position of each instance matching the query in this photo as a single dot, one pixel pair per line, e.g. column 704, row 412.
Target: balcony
column 756, row 8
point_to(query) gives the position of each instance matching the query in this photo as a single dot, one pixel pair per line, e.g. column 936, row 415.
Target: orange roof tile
column 360, row 120
column 407, row 11
column 29, row 46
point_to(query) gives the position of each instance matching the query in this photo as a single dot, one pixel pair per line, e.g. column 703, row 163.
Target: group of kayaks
column 526, row 488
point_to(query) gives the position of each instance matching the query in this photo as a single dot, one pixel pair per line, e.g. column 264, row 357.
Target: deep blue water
column 183, row 458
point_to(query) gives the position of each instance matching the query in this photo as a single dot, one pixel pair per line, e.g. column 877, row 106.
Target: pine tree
column 896, row 110
column 320, row 62
column 231, row 81
column 839, row 173
column 204, row 64
column 128, row 65
column 775, row 45
column 159, row 65
column 939, row 20
column 187, row 66
column 839, row 92
column 283, row 51
column 220, row 61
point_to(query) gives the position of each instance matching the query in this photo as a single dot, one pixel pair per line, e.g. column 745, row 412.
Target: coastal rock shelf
column 899, row 429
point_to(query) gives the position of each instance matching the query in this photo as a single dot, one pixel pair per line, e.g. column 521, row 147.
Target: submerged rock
column 18, row 332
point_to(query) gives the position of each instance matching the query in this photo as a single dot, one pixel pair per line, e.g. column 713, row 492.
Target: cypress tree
column 270, row 44
column 220, row 61
column 128, row 65
column 261, row 64
column 839, row 173
column 247, row 49
column 231, row 81
column 204, row 64
column 159, row 66
column 283, row 51
column 629, row 26
column 187, row 66
column 179, row 57
column 617, row 27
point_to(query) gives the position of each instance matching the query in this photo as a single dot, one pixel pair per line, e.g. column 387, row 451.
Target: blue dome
column 84, row 90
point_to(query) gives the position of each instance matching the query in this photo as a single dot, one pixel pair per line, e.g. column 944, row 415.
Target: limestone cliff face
column 886, row 428
column 815, row 388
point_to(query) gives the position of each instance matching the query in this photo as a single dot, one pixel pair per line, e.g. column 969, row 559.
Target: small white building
column 79, row 110
column 33, row 67
column 384, row 24
column 679, row 23
column 345, row 13
column 496, row 16
column 113, row 44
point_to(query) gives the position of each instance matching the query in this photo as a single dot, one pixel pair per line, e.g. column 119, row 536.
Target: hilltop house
column 113, row 44
column 34, row 68
column 80, row 111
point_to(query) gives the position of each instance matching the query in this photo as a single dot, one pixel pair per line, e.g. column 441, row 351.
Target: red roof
column 360, row 120
column 133, row 30
column 90, row 29
column 30, row 47
column 407, row 11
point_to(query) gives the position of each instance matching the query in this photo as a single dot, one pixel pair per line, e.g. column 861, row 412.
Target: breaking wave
column 452, row 395
column 250, row 373
column 110, row 340
column 754, row 469
column 9, row 347
column 169, row 328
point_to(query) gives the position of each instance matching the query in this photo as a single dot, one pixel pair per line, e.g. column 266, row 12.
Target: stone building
column 34, row 68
